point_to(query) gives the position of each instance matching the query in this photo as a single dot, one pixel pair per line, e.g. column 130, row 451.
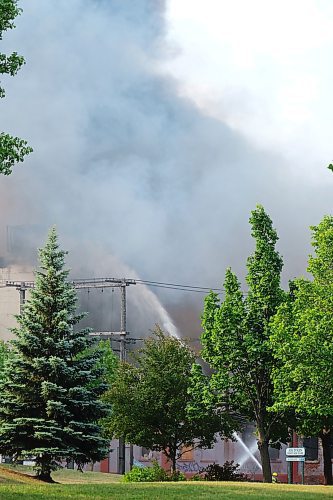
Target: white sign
column 295, row 459
column 295, row 452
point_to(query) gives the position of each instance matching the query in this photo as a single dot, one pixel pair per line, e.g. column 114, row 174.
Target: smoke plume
column 134, row 175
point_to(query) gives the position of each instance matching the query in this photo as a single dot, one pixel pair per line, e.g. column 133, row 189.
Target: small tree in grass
column 157, row 403
column 50, row 399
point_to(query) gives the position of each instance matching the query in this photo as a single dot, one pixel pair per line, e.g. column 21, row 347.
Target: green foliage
column 177, row 476
column 146, row 474
column 5, row 354
column 225, row 472
column 9, row 11
column 236, row 337
column 155, row 473
column 12, row 149
column 302, row 341
column 302, row 335
column 50, row 398
column 109, row 363
column 108, row 360
column 138, row 475
column 156, row 404
column 9, row 65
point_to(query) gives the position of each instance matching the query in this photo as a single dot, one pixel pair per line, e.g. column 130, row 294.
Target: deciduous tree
column 12, row 149
column 302, row 341
column 159, row 402
column 236, row 338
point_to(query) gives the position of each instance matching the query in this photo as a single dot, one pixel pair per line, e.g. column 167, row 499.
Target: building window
column 187, row 453
column 311, row 448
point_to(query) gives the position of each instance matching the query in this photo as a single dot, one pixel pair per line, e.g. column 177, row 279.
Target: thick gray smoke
column 133, row 175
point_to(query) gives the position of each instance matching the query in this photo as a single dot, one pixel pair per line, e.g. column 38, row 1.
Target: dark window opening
column 311, row 448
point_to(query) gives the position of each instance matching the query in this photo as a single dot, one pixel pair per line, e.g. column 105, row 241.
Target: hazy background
column 157, row 126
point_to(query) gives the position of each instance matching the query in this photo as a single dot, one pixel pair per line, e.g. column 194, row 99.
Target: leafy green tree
column 155, row 404
column 236, row 338
column 302, row 340
column 12, row 149
column 50, row 398
column 109, row 362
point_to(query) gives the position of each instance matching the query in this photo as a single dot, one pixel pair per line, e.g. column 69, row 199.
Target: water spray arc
column 247, row 450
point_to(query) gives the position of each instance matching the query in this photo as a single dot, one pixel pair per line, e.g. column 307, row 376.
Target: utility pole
column 22, row 287
column 123, row 333
column 122, row 284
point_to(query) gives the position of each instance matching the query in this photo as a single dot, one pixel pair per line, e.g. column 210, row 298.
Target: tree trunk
column 265, row 460
column 173, row 463
column 45, row 470
column 326, row 444
column 45, row 476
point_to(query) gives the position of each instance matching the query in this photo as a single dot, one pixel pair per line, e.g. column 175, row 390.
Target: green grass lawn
column 232, row 491
column 95, row 486
column 63, row 476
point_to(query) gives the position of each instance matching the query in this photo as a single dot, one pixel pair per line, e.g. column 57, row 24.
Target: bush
column 177, row 476
column 137, row 475
column 225, row 472
column 198, row 477
column 146, row 474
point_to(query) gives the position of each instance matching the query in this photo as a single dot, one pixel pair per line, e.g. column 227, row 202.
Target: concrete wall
column 10, row 297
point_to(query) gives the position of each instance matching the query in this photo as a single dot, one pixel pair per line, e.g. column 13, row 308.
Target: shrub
column 225, row 472
column 137, row 475
column 146, row 474
column 198, row 477
column 177, row 476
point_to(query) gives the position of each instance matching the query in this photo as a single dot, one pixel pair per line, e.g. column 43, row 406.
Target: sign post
column 290, row 472
column 295, row 455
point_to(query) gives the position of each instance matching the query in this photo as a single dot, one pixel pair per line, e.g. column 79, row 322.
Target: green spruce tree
column 50, row 399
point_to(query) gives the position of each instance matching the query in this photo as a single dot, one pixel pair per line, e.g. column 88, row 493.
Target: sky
column 157, row 126
column 264, row 67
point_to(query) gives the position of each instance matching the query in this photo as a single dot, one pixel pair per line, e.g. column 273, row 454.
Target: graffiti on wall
column 189, row 466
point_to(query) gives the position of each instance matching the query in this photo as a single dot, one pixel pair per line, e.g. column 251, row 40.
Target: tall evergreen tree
column 50, row 399
column 236, row 338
